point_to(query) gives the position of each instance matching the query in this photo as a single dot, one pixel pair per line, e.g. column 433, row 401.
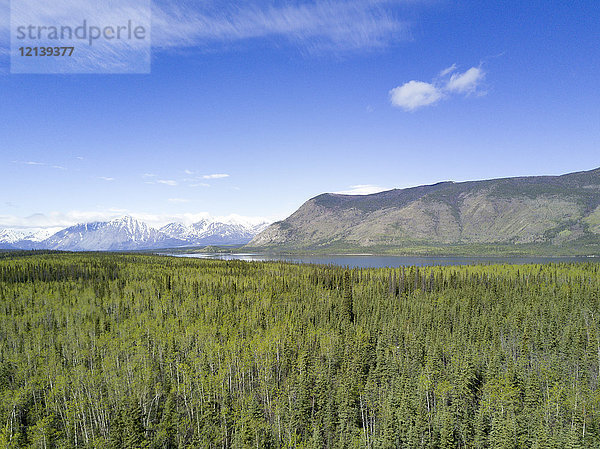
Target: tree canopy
column 140, row 351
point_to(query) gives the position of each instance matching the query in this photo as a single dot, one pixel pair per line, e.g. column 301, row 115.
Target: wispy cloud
column 199, row 184
column 448, row 70
column 168, row 182
column 417, row 94
column 362, row 189
column 40, row 164
column 321, row 25
column 4, row 26
column 216, row 176
column 105, row 55
column 106, row 178
column 313, row 26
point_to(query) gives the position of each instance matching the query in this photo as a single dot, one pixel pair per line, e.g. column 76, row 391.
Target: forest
column 141, row 351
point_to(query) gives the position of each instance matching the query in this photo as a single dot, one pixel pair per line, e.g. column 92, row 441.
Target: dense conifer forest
column 136, row 351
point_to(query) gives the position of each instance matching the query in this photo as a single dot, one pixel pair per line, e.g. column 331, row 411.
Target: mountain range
column 549, row 215
column 526, row 215
column 127, row 233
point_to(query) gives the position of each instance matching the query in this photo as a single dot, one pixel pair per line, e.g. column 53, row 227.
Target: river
column 371, row 261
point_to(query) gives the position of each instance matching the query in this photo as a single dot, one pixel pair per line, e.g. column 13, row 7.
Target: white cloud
column 106, row 178
column 216, row 176
column 448, row 70
column 466, row 82
column 55, row 219
column 199, row 184
column 149, row 175
column 58, row 220
column 168, row 182
column 417, row 94
column 188, row 172
column 362, row 189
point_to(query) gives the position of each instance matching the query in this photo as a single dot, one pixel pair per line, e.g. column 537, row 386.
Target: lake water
column 369, row 261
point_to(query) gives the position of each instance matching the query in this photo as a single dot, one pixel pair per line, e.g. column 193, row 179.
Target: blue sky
column 252, row 108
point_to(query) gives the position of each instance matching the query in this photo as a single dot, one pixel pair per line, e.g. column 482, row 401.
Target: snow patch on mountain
column 10, row 236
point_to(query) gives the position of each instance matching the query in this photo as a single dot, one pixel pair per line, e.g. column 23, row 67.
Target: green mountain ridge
column 552, row 215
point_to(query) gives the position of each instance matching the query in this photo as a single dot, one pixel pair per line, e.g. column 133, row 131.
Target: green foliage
column 140, row 351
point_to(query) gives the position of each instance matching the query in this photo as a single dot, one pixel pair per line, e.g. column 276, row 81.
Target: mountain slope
column 559, row 213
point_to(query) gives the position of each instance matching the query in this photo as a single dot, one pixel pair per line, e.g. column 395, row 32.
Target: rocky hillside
column 558, row 213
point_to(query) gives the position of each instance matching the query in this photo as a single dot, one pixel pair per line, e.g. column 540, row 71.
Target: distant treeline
column 139, row 351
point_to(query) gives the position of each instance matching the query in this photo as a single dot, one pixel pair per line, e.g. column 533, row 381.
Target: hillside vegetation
column 115, row 351
column 553, row 215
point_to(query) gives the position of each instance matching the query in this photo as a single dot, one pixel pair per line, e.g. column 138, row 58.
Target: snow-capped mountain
column 127, row 233
column 40, row 236
column 207, row 232
column 9, row 236
column 15, row 239
column 124, row 233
